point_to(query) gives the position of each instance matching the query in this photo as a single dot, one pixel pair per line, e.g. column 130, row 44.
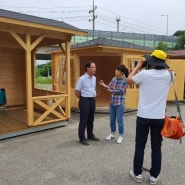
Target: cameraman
column 154, row 85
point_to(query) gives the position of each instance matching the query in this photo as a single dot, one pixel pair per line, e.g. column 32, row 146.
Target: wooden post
column 68, row 108
column 30, row 118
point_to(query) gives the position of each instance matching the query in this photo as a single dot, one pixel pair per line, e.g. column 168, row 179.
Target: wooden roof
column 52, row 29
column 111, row 43
column 34, row 19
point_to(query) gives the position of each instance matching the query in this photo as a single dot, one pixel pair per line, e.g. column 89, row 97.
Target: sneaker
column 154, row 180
column 137, row 178
column 120, row 139
column 109, row 137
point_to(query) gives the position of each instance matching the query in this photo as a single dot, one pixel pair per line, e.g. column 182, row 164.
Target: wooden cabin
column 107, row 54
column 29, row 108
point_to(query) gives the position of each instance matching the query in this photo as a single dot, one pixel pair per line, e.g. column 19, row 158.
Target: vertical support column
column 55, row 85
column 30, row 118
column 68, row 108
column 28, row 47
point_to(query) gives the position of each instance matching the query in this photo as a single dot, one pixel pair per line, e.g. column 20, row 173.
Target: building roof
column 35, row 19
column 178, row 52
column 111, row 43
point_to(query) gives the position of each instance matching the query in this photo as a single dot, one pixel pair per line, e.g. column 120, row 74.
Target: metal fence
column 148, row 40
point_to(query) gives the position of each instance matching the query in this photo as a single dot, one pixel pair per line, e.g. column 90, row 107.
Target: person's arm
column 77, row 93
column 130, row 81
column 78, row 88
column 103, row 84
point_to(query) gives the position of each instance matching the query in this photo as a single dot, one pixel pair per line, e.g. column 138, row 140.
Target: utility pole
column 167, row 24
column 118, row 19
column 94, row 17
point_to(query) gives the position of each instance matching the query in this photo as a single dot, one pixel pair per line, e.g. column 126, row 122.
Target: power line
column 136, row 22
column 81, row 13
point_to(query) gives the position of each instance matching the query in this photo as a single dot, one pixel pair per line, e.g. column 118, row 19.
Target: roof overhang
column 24, row 25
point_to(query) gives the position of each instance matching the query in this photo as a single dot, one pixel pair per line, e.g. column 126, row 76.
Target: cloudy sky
column 139, row 16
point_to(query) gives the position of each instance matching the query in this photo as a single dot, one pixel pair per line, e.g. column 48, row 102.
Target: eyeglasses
column 92, row 67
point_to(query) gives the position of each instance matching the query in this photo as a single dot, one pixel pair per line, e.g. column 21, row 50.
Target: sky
column 139, row 16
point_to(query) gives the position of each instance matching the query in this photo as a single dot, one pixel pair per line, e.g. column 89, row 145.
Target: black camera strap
column 176, row 99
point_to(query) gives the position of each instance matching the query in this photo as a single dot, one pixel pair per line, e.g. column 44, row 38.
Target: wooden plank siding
column 12, row 76
column 178, row 66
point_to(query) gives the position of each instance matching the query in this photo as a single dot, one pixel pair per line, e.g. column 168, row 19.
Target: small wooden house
column 107, row 54
column 21, row 36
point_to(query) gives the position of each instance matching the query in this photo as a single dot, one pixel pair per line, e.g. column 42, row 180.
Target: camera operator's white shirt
column 153, row 92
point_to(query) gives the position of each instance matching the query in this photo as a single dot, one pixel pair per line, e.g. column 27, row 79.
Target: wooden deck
column 13, row 123
column 12, row 120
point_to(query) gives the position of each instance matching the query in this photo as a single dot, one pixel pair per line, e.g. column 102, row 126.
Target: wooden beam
column 30, row 118
column 68, row 77
column 62, row 48
column 37, row 41
column 17, row 38
column 48, row 111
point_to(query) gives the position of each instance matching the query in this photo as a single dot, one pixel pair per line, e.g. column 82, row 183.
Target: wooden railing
column 49, row 109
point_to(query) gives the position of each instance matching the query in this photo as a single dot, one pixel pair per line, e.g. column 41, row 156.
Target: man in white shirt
column 86, row 92
column 154, row 84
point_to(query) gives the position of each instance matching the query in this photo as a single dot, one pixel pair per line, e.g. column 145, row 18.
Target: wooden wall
column 12, row 75
column 178, row 66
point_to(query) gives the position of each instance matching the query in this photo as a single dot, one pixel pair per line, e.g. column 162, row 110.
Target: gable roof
column 111, row 43
column 37, row 20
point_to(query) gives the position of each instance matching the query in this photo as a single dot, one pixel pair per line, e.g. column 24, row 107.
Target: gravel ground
column 55, row 157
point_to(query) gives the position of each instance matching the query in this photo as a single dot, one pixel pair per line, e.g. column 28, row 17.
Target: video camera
column 145, row 64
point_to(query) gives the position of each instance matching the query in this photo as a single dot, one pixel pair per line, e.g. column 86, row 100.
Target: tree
column 179, row 33
column 43, row 69
column 162, row 46
column 181, row 41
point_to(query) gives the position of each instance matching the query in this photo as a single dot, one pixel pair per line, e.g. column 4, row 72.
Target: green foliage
column 42, row 74
column 181, row 41
column 162, row 46
column 179, row 33
column 43, row 70
column 43, row 80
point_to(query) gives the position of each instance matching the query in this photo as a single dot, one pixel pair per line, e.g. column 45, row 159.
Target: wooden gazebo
column 21, row 36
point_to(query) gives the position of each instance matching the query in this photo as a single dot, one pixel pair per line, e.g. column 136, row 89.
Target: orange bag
column 173, row 128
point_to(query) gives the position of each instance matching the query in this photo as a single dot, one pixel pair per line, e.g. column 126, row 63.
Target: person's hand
column 139, row 64
column 101, row 83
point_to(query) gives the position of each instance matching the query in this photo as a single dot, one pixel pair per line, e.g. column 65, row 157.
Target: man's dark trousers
column 87, row 110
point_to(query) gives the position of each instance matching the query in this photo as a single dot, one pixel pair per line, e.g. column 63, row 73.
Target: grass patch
column 43, row 80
